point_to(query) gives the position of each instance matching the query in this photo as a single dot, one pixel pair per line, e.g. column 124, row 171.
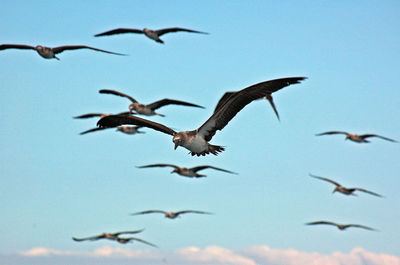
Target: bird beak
column 176, row 145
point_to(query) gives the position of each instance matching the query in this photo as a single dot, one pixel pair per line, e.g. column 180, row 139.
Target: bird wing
column 89, row 115
column 195, row 169
column 93, row 130
column 117, row 93
column 191, row 211
column 148, row 211
column 167, row 101
column 332, row 132
column 116, row 120
column 140, row 240
column 92, row 238
column 325, row 179
column 375, row 135
column 370, row 192
column 127, row 232
column 238, row 100
column 75, row 47
column 168, row 30
column 322, row 223
column 360, row 226
column 119, row 31
column 222, row 100
column 16, row 46
column 159, row 165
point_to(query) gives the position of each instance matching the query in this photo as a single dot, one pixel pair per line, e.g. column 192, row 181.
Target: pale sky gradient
column 56, row 184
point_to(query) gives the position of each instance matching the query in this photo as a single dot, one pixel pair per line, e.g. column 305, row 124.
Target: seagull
column 149, row 109
column 197, row 141
column 111, row 236
column 152, row 34
column 340, row 226
column 171, row 215
column 188, row 172
column 355, row 137
column 50, row 53
column 344, row 190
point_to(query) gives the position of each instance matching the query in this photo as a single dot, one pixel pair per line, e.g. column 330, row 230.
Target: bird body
column 197, row 141
column 129, row 129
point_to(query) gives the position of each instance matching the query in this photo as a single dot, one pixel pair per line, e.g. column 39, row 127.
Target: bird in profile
column 344, row 190
column 187, row 172
column 152, row 34
column 171, row 215
column 341, row 226
column 197, row 141
column 50, row 53
column 356, row 137
column 115, row 237
column 149, row 109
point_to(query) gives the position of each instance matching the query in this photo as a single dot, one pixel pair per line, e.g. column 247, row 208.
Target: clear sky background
column 55, row 184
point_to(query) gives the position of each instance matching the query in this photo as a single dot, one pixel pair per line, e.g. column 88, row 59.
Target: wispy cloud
column 215, row 255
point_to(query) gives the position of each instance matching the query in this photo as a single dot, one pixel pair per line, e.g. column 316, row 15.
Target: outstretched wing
column 332, row 132
column 159, row 165
column 92, row 238
column 370, row 192
column 128, row 239
column 361, row 226
column 149, row 211
column 93, row 130
column 89, row 115
column 16, row 46
column 238, row 100
column 117, row 93
column 195, row 169
column 191, row 211
column 119, row 31
column 116, row 120
column 167, row 101
column 168, row 30
column 325, row 179
column 127, row 232
column 60, row 49
column 378, row 136
column 322, row 223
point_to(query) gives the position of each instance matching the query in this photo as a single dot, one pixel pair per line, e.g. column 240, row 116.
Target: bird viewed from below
column 107, row 235
column 170, row 215
column 341, row 226
column 344, row 190
column 50, row 53
column 149, row 109
column 187, row 172
column 152, row 34
column 197, row 141
column 356, row 137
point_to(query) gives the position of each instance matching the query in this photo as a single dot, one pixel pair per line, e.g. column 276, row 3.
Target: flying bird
column 355, row 137
column 197, row 141
column 187, row 172
column 50, row 53
column 124, row 129
column 152, row 34
column 111, row 236
column 149, row 109
column 344, row 190
column 171, row 215
column 341, row 226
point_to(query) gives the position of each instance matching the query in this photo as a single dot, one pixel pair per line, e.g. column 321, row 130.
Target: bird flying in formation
column 115, row 237
column 187, row 172
column 356, row 137
column 50, row 53
column 171, row 215
column 152, row 34
column 149, row 109
column 344, row 190
column 341, row 226
column 197, row 141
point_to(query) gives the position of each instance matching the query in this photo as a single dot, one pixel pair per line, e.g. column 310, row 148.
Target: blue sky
column 56, row 184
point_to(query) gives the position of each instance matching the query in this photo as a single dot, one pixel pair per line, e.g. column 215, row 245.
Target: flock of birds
column 197, row 141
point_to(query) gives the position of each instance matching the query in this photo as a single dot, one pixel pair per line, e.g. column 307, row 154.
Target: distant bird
column 149, row 109
column 171, row 215
column 124, row 129
column 152, row 34
column 50, row 53
column 124, row 240
column 111, row 236
column 346, row 191
column 188, row 172
column 341, row 226
column 100, row 115
column 197, row 141
column 355, row 137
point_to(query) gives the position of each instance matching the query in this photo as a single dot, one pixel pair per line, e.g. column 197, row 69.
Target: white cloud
column 215, row 255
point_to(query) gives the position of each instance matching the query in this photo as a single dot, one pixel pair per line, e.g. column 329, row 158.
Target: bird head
column 178, row 140
column 131, row 107
column 175, row 170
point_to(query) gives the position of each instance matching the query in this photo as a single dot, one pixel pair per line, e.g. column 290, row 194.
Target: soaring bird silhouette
column 152, row 34
column 341, row 226
column 171, row 215
column 344, row 190
column 355, row 137
column 115, row 237
column 149, row 109
column 50, row 53
column 197, row 141
column 187, row 172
